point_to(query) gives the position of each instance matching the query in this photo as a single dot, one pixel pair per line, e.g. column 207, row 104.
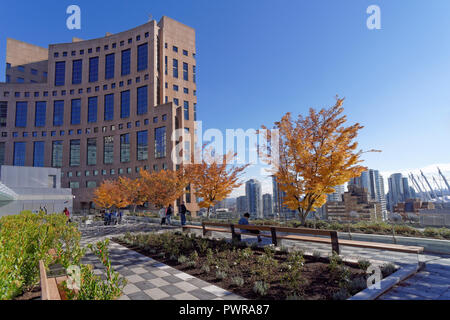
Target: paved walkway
column 147, row 278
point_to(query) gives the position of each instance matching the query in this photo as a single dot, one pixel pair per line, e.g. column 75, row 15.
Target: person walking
column 120, row 216
column 67, row 213
column 169, row 213
column 183, row 211
column 107, row 217
column 162, row 215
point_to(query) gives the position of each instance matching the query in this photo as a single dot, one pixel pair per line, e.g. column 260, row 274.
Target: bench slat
column 53, row 293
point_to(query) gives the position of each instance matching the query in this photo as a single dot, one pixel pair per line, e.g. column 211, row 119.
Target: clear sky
column 258, row 59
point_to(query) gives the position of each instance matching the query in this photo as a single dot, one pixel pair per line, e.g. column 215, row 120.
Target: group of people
column 112, row 217
column 166, row 214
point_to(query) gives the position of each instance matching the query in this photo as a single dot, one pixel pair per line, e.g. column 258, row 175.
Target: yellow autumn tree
column 213, row 180
column 109, row 195
column 132, row 190
column 316, row 153
column 164, row 187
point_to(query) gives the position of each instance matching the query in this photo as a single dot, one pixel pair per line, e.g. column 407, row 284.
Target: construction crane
column 445, row 180
column 433, row 194
column 419, row 189
column 438, row 186
column 427, row 194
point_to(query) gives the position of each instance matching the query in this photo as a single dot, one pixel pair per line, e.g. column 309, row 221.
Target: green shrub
column 237, row 281
column 220, row 275
column 364, row 264
column 182, row 259
column 27, row 238
column 92, row 286
column 261, row 288
column 387, row 269
column 205, row 268
column 357, row 285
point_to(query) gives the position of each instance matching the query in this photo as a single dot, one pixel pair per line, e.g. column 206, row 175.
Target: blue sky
column 258, row 59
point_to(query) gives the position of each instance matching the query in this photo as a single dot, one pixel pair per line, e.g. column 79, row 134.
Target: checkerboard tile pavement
column 149, row 279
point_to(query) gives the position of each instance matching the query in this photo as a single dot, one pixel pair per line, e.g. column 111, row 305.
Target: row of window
column 175, row 69
column 91, row 150
column 75, row 110
column 77, row 66
column 26, row 94
column 33, row 71
column 97, row 49
column 70, row 132
column 175, row 49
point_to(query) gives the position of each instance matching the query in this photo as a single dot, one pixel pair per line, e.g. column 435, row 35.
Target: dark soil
column 318, row 283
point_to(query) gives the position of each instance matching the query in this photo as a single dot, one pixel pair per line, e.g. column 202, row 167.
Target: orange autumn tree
column 316, row 153
column 214, row 180
column 109, row 195
column 164, row 187
column 132, row 191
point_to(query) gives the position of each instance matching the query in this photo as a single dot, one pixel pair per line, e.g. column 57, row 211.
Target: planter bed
column 309, row 277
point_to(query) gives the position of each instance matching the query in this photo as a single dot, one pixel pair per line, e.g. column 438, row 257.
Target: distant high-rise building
column 241, row 204
column 372, row 181
column 253, row 194
column 397, row 185
column 277, row 203
column 267, row 205
column 337, row 194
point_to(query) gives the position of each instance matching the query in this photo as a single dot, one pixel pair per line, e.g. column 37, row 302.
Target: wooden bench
column 49, row 286
column 298, row 234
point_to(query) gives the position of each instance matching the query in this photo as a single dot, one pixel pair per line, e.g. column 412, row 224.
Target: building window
column 175, row 49
column 38, row 154
column 39, row 113
column 126, row 56
column 91, row 184
column 142, row 58
column 8, row 78
column 2, row 153
column 175, row 87
column 8, row 66
column 185, row 71
column 142, row 145
column 34, row 71
column 74, row 184
column 19, row 153
column 109, row 66
column 109, row 107
column 160, row 142
column 108, row 150
column 20, row 80
column 125, row 147
column 60, row 73
column 75, row 112
column 77, row 68
column 91, row 152
column 165, row 65
column 193, row 74
column 186, row 90
column 21, row 114
column 185, row 52
column 186, row 110
column 21, row 68
column 142, row 100
column 125, row 104
column 195, row 112
column 93, row 69
column 175, row 68
column 92, row 109
column 3, row 113
column 74, row 153
column 176, row 101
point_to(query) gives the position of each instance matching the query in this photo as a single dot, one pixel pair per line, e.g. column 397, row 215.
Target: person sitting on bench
column 244, row 221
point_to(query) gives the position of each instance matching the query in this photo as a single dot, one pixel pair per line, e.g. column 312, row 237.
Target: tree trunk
column 134, row 208
column 303, row 216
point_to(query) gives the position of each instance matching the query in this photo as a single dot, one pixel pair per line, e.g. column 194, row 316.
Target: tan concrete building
column 100, row 108
column 355, row 206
